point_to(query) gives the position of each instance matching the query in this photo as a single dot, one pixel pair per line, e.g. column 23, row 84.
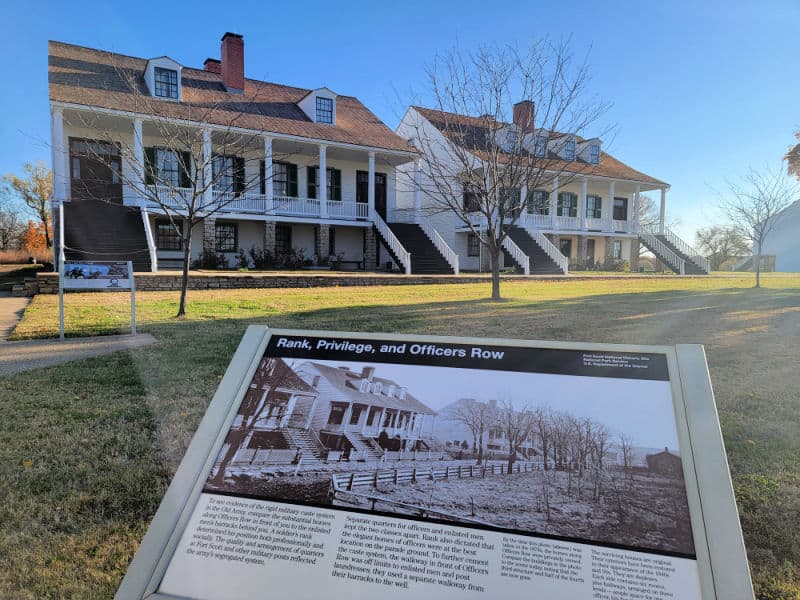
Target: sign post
column 92, row 275
column 350, row 465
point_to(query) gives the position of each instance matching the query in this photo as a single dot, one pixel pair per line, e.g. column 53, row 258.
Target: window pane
column 324, row 110
column 166, row 81
column 225, row 237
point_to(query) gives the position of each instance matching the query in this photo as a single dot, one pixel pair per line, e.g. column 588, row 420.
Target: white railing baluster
column 449, row 255
column 667, row 255
column 394, row 244
column 518, row 255
column 683, row 247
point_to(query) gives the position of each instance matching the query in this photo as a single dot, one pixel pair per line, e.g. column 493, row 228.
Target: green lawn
column 88, row 448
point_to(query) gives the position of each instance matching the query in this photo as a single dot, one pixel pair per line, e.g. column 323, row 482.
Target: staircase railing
column 683, row 247
column 449, row 255
column 663, row 252
column 518, row 255
column 742, row 262
column 148, row 232
column 549, row 247
column 403, row 255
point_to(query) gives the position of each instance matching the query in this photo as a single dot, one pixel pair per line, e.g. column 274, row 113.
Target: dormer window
column 594, row 154
column 166, row 83
column 569, row 150
column 324, row 110
column 511, row 138
column 540, row 146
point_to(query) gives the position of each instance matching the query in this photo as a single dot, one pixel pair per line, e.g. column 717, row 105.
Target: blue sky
column 700, row 90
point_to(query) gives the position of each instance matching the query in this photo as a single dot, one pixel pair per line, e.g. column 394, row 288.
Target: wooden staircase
column 364, row 445
column 541, row 263
column 313, row 452
column 425, row 256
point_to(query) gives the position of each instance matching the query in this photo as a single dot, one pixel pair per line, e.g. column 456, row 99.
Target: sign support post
column 133, row 299
column 61, row 270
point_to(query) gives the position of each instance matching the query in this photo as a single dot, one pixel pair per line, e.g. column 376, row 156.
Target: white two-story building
column 585, row 212
column 117, row 118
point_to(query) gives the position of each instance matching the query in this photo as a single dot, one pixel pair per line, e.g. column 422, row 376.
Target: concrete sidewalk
column 11, row 310
column 16, row 357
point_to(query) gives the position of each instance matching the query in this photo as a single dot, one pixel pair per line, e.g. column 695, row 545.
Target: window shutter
column 336, row 184
column 291, row 177
column 262, row 177
column 186, row 169
column 238, row 175
column 311, row 185
column 149, row 166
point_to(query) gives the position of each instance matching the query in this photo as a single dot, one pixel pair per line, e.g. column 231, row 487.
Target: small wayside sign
column 352, row 465
column 114, row 276
column 97, row 276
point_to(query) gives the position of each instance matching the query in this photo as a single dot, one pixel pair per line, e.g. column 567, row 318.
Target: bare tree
column 478, row 417
column 478, row 169
column 755, row 204
column 721, row 243
column 197, row 168
column 35, row 189
column 273, row 373
column 626, row 447
column 517, row 425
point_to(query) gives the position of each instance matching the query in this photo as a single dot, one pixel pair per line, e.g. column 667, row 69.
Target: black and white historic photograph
column 584, row 458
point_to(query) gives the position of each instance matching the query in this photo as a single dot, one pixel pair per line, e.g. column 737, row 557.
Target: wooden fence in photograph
column 372, row 479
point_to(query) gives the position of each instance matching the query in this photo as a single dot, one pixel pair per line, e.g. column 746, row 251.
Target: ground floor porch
column 220, row 242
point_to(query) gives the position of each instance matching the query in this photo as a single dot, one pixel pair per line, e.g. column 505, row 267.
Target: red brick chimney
column 523, row 115
column 233, row 62
column 213, row 65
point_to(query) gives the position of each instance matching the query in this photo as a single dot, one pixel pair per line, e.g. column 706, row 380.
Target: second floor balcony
column 176, row 198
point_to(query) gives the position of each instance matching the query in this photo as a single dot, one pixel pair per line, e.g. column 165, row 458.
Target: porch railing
column 687, row 250
column 178, row 198
column 663, row 252
column 403, row 255
column 593, row 224
column 568, row 223
column 621, row 226
column 550, row 249
column 449, row 254
column 518, row 255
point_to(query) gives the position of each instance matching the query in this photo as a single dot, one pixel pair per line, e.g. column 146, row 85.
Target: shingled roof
column 347, row 384
column 95, row 78
column 473, row 135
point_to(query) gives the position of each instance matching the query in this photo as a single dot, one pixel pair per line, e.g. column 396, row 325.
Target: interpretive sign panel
column 97, row 276
column 343, row 464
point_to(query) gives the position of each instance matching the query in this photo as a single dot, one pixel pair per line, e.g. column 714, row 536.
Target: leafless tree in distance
column 722, row 243
column 477, row 170
column 755, row 204
column 478, row 417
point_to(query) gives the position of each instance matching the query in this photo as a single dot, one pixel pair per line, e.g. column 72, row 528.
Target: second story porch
column 161, row 165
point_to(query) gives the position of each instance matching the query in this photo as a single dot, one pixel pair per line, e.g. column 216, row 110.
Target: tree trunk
column 494, row 263
column 758, row 266
column 235, row 442
column 187, row 253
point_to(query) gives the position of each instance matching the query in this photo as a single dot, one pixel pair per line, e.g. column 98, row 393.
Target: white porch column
column 636, row 208
column 663, row 212
column 371, row 184
column 523, row 198
column 268, row 192
column 417, row 189
column 138, row 156
column 609, row 217
column 582, row 203
column 322, row 188
column 208, row 173
column 60, row 158
column 554, row 202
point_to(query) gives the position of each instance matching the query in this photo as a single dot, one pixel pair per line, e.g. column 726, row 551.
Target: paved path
column 16, row 357
column 11, row 310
